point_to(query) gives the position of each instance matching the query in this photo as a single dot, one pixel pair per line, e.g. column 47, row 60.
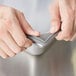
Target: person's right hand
column 13, row 30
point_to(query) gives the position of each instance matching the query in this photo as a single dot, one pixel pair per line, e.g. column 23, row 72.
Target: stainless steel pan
column 41, row 43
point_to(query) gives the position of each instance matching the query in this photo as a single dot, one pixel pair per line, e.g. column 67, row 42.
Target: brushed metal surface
column 59, row 60
column 41, row 43
column 44, row 39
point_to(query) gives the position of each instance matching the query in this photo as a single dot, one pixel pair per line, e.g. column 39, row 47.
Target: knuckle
column 5, row 24
column 2, row 33
column 8, row 23
column 10, row 9
column 10, row 14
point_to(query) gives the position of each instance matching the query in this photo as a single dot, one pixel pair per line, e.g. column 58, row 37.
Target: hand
column 63, row 16
column 13, row 30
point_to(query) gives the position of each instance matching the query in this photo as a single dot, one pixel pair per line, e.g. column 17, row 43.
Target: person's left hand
column 63, row 16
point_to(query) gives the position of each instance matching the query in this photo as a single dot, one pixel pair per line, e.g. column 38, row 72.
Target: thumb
column 25, row 25
column 55, row 17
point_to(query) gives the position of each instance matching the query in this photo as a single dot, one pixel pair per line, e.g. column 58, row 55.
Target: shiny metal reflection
column 41, row 43
column 44, row 39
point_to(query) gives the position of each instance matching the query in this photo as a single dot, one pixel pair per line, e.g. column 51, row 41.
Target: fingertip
column 55, row 25
column 5, row 57
column 54, row 29
column 59, row 36
column 33, row 32
column 36, row 33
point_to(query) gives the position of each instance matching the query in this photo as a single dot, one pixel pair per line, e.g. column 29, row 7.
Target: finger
column 55, row 17
column 3, row 54
column 18, row 34
column 67, row 17
column 6, row 49
column 11, row 43
column 25, row 25
column 28, row 43
column 67, row 30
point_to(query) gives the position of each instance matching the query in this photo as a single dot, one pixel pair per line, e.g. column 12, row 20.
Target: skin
column 14, row 27
column 13, row 30
column 63, row 16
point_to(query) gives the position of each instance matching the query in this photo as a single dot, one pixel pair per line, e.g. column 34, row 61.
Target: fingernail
column 36, row 33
